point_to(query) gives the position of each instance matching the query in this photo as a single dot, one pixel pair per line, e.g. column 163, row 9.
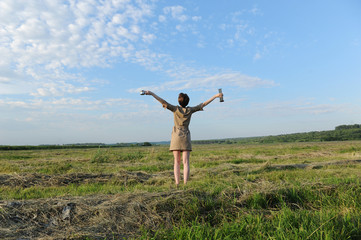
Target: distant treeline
column 345, row 127
column 73, row 146
column 341, row 133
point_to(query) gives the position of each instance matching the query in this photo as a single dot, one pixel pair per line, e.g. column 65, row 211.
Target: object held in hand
column 221, row 98
column 142, row 92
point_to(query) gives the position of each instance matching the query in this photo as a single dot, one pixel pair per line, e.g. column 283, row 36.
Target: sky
column 71, row 70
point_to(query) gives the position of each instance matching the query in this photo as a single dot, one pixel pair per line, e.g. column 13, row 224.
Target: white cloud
column 4, row 80
column 148, row 38
column 230, row 79
column 41, row 40
column 183, row 22
column 241, row 34
column 196, row 18
column 38, row 38
column 150, row 60
column 256, row 11
column 69, row 104
column 162, row 18
column 10, row 87
column 58, row 89
column 177, row 12
column 180, row 28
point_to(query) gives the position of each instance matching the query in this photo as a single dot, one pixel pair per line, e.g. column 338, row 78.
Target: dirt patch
column 34, row 179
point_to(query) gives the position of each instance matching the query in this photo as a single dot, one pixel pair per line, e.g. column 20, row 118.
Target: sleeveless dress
column 181, row 136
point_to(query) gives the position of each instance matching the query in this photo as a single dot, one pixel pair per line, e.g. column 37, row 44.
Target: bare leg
column 177, row 161
column 185, row 156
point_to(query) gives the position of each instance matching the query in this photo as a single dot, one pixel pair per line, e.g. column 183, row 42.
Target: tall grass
column 284, row 214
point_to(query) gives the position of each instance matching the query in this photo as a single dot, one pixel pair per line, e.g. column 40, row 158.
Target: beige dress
column 181, row 137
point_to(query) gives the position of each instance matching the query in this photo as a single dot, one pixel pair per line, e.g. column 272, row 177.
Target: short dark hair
column 183, row 99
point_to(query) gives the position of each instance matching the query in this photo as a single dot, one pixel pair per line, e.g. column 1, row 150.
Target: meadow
column 236, row 191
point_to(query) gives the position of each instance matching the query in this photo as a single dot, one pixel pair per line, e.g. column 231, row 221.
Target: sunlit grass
column 259, row 191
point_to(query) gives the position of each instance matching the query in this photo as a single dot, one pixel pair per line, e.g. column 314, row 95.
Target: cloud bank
column 41, row 41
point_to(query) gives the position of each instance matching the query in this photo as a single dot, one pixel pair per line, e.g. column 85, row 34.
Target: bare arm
column 161, row 100
column 211, row 99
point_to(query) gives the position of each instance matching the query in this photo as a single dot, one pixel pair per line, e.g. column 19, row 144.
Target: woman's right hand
column 148, row 93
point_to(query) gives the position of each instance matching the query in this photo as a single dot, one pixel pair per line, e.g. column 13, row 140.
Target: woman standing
column 181, row 137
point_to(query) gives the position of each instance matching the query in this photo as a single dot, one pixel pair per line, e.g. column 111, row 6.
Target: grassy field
column 236, row 191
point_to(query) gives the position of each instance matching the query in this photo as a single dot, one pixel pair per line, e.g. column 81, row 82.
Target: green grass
column 301, row 213
column 285, row 214
column 287, row 224
column 259, row 191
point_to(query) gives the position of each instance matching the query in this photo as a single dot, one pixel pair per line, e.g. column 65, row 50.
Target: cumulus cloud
column 39, row 38
column 183, row 21
column 176, row 12
column 41, row 41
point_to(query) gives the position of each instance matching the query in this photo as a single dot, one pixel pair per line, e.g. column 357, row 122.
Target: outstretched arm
column 161, row 100
column 211, row 99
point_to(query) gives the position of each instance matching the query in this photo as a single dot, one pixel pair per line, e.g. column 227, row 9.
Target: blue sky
column 71, row 71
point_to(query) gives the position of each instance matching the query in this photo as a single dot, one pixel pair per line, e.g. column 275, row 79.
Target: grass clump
column 101, row 156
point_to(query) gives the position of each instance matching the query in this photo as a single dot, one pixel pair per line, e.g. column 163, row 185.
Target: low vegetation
column 237, row 191
column 341, row 133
